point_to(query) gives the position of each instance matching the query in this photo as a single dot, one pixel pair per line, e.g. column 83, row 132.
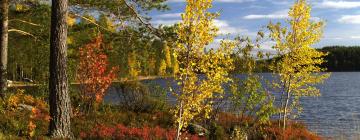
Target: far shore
column 15, row 84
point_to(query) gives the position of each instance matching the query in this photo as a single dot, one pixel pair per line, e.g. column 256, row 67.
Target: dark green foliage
column 28, row 54
column 216, row 132
column 138, row 97
column 14, row 123
column 341, row 58
column 250, row 99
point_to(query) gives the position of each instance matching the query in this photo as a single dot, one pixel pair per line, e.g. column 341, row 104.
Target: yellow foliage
column 21, row 7
column 299, row 65
column 107, row 23
column 162, row 68
column 70, row 20
column 167, row 55
column 175, row 65
column 39, row 110
column 133, row 65
column 70, row 40
column 31, row 128
column 196, row 31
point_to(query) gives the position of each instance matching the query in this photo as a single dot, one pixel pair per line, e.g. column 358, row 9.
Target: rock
column 24, row 106
column 28, row 80
column 197, row 129
column 9, row 83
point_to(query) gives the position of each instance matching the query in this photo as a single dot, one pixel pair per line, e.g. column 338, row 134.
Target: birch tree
column 195, row 32
column 297, row 66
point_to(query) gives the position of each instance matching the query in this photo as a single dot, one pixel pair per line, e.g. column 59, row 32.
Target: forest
column 60, row 59
column 338, row 59
column 342, row 58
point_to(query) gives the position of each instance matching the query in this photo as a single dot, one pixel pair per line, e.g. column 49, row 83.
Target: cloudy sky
column 246, row 17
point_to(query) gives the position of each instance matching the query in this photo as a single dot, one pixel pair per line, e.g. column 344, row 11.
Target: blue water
column 336, row 113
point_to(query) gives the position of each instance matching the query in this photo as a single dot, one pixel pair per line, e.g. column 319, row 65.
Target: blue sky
column 246, row 17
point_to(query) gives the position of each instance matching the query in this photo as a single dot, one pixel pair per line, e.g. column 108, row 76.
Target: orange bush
column 271, row 131
column 145, row 133
column 294, row 131
column 93, row 73
column 39, row 109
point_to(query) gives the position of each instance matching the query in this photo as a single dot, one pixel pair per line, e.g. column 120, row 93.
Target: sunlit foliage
column 39, row 110
column 196, row 91
column 298, row 64
column 249, row 97
column 93, row 73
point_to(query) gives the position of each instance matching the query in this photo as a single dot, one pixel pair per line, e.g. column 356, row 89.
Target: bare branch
column 148, row 25
column 22, row 32
column 91, row 21
column 23, row 21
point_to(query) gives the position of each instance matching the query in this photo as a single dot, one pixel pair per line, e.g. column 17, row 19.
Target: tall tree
column 60, row 106
column 298, row 69
column 4, row 10
column 195, row 32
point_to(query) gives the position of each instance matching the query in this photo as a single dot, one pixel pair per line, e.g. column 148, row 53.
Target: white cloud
column 276, row 15
column 170, row 15
column 355, row 37
column 283, row 14
column 265, row 16
column 268, row 45
column 164, row 22
column 225, row 28
column 216, row 43
column 338, row 4
column 316, row 19
column 222, row 1
column 279, row 2
column 233, row 1
column 334, row 38
column 350, row 19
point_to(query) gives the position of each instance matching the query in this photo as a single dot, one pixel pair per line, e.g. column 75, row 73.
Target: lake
column 334, row 114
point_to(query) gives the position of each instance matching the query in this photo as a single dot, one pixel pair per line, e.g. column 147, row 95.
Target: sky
column 247, row 17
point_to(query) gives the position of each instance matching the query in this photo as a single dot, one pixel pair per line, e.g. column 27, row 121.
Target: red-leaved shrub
column 93, row 73
column 145, row 133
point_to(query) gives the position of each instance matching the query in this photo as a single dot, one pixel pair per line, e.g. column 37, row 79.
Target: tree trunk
column 288, row 96
column 285, row 110
column 281, row 106
column 60, row 106
column 178, row 132
column 4, row 10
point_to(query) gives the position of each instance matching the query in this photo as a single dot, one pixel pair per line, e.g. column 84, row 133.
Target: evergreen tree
column 59, row 99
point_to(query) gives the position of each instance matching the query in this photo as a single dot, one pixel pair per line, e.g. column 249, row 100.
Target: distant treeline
column 339, row 59
column 342, row 58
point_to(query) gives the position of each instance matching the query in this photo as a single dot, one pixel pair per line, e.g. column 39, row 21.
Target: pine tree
column 59, row 99
column 4, row 21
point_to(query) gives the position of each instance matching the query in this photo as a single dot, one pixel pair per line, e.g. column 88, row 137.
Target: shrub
column 120, row 131
column 253, row 129
column 137, row 97
column 216, row 132
column 24, row 115
column 114, row 116
column 294, row 131
column 93, row 73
